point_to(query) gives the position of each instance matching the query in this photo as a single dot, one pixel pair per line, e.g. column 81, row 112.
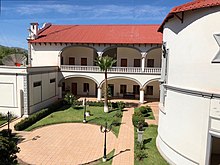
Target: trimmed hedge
column 25, row 123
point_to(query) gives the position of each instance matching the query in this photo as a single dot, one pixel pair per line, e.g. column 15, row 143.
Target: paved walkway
column 124, row 150
column 64, row 144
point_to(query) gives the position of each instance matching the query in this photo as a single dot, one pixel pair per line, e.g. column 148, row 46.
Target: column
column 99, row 54
column 60, row 92
column 143, row 57
column 141, row 96
column 99, row 94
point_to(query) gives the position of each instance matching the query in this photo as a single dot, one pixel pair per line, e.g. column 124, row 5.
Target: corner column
column 141, row 96
column 99, row 94
column 143, row 57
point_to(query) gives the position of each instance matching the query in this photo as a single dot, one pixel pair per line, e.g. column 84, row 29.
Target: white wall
column 11, row 89
column 184, row 120
column 156, row 55
column 41, row 96
column 156, row 90
column 129, row 54
column 78, row 53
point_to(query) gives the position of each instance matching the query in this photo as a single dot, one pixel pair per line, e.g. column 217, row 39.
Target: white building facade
column 65, row 55
column 189, row 118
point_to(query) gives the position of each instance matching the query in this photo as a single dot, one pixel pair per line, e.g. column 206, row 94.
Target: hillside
column 4, row 51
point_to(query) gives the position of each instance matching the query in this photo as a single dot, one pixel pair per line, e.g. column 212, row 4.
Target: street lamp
column 84, row 113
column 8, row 117
column 105, row 130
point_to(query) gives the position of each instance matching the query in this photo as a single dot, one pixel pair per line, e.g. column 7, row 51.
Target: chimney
column 33, row 31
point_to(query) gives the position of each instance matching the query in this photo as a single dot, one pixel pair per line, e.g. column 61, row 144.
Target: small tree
column 70, row 99
column 8, row 149
column 104, row 64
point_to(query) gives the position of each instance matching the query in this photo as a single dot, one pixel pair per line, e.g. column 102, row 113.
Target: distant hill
column 4, row 51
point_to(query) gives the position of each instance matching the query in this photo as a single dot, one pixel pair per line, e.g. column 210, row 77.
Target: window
column 150, row 62
column 137, row 62
column 85, row 87
column 123, row 62
column 84, row 61
column 136, row 89
column 52, row 80
column 123, row 89
column 71, row 61
column 36, row 84
column 150, row 90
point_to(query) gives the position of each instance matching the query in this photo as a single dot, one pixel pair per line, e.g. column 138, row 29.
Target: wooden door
column 83, row 61
column 123, row 62
column 74, row 89
column 150, row 62
column 111, row 89
column 137, row 62
column 71, row 61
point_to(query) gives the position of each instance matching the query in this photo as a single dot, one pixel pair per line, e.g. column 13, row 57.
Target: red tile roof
column 196, row 4
column 108, row 34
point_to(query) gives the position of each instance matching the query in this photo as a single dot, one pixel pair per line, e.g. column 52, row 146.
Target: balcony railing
column 79, row 68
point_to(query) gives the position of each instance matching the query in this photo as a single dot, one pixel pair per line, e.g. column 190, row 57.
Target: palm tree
column 104, row 64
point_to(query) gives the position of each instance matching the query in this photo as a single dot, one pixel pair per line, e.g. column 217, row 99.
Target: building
column 189, row 118
column 61, row 58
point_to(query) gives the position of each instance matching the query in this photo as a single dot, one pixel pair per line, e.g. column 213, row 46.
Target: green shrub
column 140, row 155
column 143, row 110
column 70, row 98
column 137, row 117
column 118, row 114
column 121, row 105
column 139, row 145
column 25, row 123
column 8, row 149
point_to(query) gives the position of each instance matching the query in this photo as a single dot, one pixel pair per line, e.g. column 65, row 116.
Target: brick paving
column 64, row 144
column 124, row 150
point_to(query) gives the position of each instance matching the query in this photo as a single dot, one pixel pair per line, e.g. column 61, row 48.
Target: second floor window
column 150, row 62
column 84, row 61
column 137, row 62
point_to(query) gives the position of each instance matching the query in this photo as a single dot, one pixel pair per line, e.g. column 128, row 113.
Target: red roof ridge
column 195, row 4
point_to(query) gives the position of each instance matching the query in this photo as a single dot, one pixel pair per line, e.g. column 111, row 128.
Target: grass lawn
column 3, row 120
column 69, row 115
column 154, row 156
column 109, row 159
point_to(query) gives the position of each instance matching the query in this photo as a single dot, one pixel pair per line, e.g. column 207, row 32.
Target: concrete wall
column 46, row 93
column 11, row 89
column 184, row 118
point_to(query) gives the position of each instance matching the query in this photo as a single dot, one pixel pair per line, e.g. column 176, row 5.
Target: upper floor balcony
column 139, row 70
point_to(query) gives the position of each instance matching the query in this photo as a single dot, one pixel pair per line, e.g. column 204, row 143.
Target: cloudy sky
column 16, row 15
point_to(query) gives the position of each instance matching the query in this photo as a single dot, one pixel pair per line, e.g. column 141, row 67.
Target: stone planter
column 140, row 135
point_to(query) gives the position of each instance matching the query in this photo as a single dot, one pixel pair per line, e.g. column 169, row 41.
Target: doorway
column 111, row 89
column 123, row 62
column 74, row 89
column 215, row 151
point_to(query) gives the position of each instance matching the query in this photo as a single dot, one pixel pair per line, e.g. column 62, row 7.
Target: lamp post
column 8, row 115
column 105, row 130
column 84, row 113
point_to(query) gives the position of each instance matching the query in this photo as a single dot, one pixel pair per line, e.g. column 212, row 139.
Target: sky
column 16, row 15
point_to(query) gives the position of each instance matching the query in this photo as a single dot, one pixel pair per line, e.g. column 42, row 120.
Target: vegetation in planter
column 137, row 117
column 121, row 105
column 119, row 114
column 140, row 154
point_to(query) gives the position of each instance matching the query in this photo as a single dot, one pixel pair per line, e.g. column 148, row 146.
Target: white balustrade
column 112, row 70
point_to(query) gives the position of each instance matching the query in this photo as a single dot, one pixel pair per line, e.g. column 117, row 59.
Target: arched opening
column 152, row 90
column 122, row 87
column 125, row 56
column 79, row 86
column 78, row 55
column 153, row 58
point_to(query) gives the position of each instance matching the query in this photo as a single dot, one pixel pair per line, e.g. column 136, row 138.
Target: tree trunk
column 106, row 93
